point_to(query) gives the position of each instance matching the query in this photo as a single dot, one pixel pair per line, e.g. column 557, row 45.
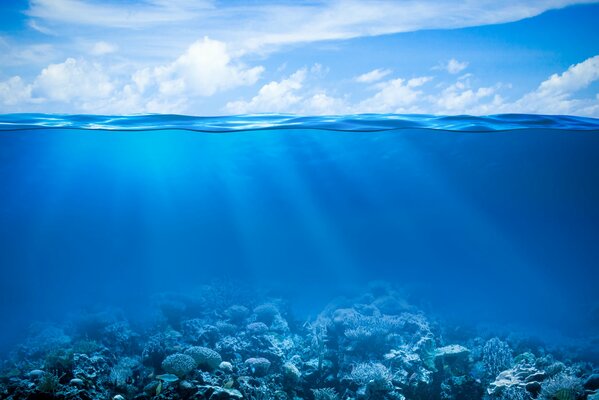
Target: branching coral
column 562, row 387
column 325, row 394
column 375, row 375
column 49, row 383
column 497, row 356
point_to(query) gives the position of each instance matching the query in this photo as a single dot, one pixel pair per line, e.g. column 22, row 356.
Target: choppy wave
column 344, row 123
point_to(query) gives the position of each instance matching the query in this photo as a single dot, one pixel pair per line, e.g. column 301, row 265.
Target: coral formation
column 205, row 358
column 562, row 387
column 178, row 364
column 373, row 347
column 497, row 356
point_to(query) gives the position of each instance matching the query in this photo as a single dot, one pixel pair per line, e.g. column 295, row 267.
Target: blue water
column 483, row 221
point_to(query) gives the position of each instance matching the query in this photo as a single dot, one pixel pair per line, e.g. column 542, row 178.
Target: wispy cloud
column 132, row 15
column 35, row 25
column 372, row 76
column 101, row 48
column 452, row 66
column 266, row 24
column 12, row 54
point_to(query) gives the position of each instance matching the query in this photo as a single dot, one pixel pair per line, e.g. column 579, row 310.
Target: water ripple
column 344, row 123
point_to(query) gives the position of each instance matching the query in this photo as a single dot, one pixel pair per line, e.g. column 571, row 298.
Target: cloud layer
column 145, row 56
column 206, row 68
column 259, row 24
column 555, row 95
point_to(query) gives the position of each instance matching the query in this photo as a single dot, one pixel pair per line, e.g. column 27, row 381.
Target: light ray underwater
column 299, row 200
column 180, row 257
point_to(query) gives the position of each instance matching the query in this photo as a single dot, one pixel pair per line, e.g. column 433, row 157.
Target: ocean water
column 484, row 223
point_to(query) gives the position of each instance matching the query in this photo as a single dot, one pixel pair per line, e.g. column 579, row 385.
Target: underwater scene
column 271, row 256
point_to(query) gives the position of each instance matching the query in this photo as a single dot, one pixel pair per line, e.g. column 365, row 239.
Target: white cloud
column 142, row 78
column 73, row 84
column 323, row 104
column 419, row 81
column 452, row 66
column 395, row 96
column 577, row 76
column 460, row 97
column 555, row 94
column 290, row 95
column 318, row 70
column 73, row 80
column 101, row 48
column 272, row 97
column 455, row 67
column 372, row 76
column 204, row 69
column 207, row 68
column 14, row 91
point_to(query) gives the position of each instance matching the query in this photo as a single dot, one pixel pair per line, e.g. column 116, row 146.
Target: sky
column 313, row 57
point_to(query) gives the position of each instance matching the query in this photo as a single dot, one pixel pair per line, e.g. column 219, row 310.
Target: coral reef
column 205, row 358
column 179, row 364
column 373, row 347
column 497, row 356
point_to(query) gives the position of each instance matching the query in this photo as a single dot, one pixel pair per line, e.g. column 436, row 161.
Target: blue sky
column 208, row 57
